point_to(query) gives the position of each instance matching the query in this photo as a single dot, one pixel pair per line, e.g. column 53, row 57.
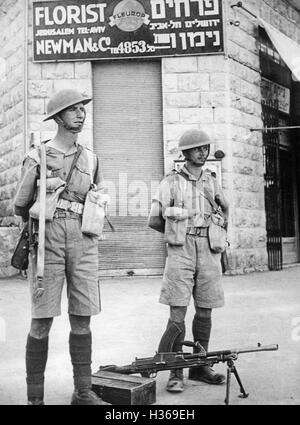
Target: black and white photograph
column 150, row 206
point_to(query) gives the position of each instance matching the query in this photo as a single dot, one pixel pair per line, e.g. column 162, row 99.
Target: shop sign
column 275, row 92
column 82, row 30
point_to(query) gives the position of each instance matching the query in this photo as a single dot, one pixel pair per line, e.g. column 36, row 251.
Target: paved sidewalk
column 260, row 307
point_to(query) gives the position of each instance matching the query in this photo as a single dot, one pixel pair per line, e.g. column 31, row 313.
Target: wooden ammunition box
column 116, row 388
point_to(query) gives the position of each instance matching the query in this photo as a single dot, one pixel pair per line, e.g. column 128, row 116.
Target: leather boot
column 206, row 374
column 175, row 382
column 86, row 398
column 36, row 359
column 35, row 402
column 201, row 332
column 81, row 354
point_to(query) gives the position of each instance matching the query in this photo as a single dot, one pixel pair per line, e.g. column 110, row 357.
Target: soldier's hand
column 193, row 212
column 25, row 224
column 176, row 213
column 222, row 202
column 104, row 199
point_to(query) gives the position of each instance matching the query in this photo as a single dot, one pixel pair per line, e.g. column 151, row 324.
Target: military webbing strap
column 76, row 156
column 211, row 200
column 112, row 227
column 206, row 193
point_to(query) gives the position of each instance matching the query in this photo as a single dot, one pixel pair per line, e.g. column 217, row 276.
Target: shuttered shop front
column 128, row 139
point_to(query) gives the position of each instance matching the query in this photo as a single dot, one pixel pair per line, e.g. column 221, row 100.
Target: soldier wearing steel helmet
column 69, row 254
column 191, row 270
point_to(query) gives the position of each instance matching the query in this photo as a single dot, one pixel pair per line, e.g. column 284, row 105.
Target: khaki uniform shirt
column 58, row 165
column 174, row 190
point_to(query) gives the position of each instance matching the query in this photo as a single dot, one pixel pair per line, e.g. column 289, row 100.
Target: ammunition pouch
column 54, row 187
column 176, row 225
column 217, row 234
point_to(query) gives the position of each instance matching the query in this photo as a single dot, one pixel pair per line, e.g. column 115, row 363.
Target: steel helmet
column 62, row 100
column 193, row 138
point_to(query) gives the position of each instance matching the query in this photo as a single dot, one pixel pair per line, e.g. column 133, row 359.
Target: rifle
column 33, row 243
column 150, row 366
column 39, row 289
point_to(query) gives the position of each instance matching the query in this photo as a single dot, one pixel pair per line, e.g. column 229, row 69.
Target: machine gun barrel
column 271, row 347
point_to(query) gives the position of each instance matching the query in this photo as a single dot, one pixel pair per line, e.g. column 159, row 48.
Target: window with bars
column 287, row 193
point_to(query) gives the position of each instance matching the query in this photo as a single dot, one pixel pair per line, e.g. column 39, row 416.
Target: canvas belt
column 66, row 214
column 198, row 231
column 66, row 205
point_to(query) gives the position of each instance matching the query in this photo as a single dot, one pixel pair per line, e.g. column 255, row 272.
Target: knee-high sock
column 36, row 359
column 201, row 330
column 81, row 357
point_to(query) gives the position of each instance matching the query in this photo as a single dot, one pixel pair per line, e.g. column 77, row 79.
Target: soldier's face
column 197, row 156
column 74, row 116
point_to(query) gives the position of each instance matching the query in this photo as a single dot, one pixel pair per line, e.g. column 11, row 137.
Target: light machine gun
column 149, row 366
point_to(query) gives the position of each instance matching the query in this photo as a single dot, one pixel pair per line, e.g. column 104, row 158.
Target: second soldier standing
column 192, row 269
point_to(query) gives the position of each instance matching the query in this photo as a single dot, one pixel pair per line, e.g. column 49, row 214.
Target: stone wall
column 11, row 123
column 11, row 102
column 8, row 238
column 221, row 95
column 248, row 225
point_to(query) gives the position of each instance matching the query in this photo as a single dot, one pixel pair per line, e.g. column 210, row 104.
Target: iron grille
column 272, row 185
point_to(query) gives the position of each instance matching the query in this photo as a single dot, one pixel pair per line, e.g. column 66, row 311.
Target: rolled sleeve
column 26, row 188
column 219, row 195
column 98, row 175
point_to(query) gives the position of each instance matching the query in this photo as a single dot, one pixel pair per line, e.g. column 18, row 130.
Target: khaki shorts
column 70, row 256
column 192, row 270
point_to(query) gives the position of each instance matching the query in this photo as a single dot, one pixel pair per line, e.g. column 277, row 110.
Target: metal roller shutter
column 128, row 139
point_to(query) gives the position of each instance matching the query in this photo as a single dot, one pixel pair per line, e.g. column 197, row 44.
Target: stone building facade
column 218, row 93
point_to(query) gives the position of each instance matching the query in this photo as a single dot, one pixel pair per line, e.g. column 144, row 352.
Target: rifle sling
column 109, row 222
column 75, row 159
column 42, row 212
